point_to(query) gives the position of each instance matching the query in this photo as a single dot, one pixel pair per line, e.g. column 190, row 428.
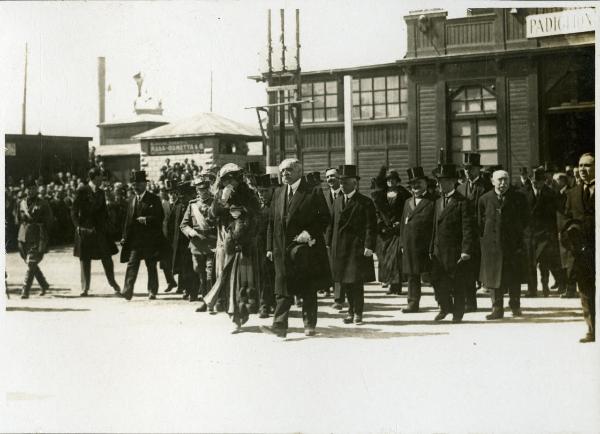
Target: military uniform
column 35, row 216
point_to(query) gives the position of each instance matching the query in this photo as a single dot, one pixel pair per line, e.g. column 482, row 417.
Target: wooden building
column 516, row 85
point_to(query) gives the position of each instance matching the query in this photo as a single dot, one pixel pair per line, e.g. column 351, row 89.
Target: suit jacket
column 329, row 200
column 480, row 187
column 147, row 238
column 354, row 229
column 415, row 234
column 502, row 229
column 453, row 233
column 581, row 221
column 307, row 212
column 541, row 232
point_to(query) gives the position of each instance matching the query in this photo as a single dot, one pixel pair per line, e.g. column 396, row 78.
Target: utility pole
column 24, row 120
column 268, row 145
column 282, row 92
column 298, row 106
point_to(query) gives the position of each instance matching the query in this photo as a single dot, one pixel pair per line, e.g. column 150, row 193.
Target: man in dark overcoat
column 502, row 216
column 566, row 256
column 580, row 233
column 415, row 235
column 299, row 214
column 452, row 245
column 352, row 238
column 142, row 236
column 473, row 188
column 92, row 231
column 541, row 234
column 334, row 189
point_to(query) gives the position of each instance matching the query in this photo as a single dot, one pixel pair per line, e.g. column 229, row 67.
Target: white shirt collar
column 336, row 192
column 141, row 196
column 295, row 185
column 450, row 193
column 349, row 195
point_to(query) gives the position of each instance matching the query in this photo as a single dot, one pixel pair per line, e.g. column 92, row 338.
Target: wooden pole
column 298, row 107
column 211, row 91
column 270, row 151
column 24, row 119
column 348, row 127
column 282, row 38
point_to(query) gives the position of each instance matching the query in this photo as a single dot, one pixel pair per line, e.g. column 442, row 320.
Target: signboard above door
column 564, row 22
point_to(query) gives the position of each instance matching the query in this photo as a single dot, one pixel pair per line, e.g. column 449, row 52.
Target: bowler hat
column 539, row 174
column 471, row 159
column 415, row 173
column 446, row 171
column 138, row 176
column 348, row 171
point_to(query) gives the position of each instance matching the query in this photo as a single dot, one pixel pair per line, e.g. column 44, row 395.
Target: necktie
column 344, row 201
column 290, row 194
column 445, row 201
column 586, row 194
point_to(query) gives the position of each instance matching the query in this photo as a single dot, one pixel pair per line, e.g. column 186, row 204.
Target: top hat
column 471, row 159
column 253, row 167
column 446, row 171
column 138, row 176
column 415, row 173
column 348, row 171
column 263, row 181
column 539, row 174
column 393, row 174
column 313, row 178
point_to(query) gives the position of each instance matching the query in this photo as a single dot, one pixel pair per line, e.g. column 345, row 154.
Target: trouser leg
column 339, row 293
column 359, row 298
column 587, row 294
column 414, row 290
column 497, row 296
column 133, row 266
column 282, row 311
column 152, row 276
column 347, row 288
column 39, row 276
column 514, row 295
column 443, row 288
column 28, row 280
column 309, row 309
column 544, row 274
column 85, row 266
column 109, row 271
column 458, row 291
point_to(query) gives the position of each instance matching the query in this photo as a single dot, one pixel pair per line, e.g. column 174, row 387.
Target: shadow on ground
column 43, row 309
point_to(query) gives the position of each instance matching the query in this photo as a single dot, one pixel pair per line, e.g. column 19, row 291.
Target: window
column 474, row 123
column 324, row 107
column 379, row 97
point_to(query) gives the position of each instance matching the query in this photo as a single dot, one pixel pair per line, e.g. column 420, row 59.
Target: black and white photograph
column 345, row 216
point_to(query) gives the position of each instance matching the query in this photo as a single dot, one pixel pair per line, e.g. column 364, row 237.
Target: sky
column 176, row 45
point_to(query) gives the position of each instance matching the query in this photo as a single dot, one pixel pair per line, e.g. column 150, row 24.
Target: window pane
column 306, row 105
column 366, row 98
column 365, row 84
column 392, row 82
column 319, row 88
column 380, row 111
column 356, row 113
column 486, row 126
column 379, row 83
column 331, row 100
column 489, row 105
column 458, row 107
column 319, row 115
column 355, row 98
column 307, row 89
column 461, row 143
column 489, row 158
column 379, row 97
column 332, row 114
column 403, row 109
column 461, row 129
column 366, row 112
column 487, row 94
column 306, row 115
column 355, row 86
column 393, row 110
column 319, row 101
column 402, row 80
column 474, row 106
column 460, row 96
column 392, row 96
column 331, row 87
column 473, row 92
column 488, row 143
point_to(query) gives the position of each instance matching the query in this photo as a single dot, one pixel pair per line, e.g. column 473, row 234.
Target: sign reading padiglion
column 561, row 23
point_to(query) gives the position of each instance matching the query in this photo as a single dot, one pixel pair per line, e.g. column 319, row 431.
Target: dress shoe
column 517, row 312
column 390, row 292
column 569, row 295
column 337, row 306
column 220, row 306
column 263, row 313
column 587, row 338
column 496, row 314
column 170, row 287
column 84, row 294
column 152, row 297
column 193, row 298
column 126, row 296
column 44, row 289
column 116, row 288
column 530, row 294
column 545, row 292
column 385, row 285
column 179, row 291
column 358, row 320
column 554, row 286
column 236, row 329
column 470, row 308
column 349, row 319
column 456, row 319
column 440, row 316
column 280, row 333
column 309, row 332
column 410, row 309
column 202, row 307
column 24, row 294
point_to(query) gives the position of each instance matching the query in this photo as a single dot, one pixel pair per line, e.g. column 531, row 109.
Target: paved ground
column 104, row 364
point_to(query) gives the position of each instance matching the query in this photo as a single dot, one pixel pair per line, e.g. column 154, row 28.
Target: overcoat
column 307, row 212
column 147, row 238
column 92, row 226
column 541, row 233
column 179, row 243
column 453, row 233
column 566, row 256
column 354, row 229
column 415, row 234
column 581, row 216
column 502, row 227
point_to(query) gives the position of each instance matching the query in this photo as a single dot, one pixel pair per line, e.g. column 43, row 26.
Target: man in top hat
column 35, row 217
column 168, row 195
column 332, row 178
column 541, row 234
column 475, row 186
column 452, row 245
column 199, row 228
column 566, row 256
column 266, row 296
column 502, row 216
column 298, row 214
column 142, row 236
column 579, row 233
column 415, row 235
column 352, row 238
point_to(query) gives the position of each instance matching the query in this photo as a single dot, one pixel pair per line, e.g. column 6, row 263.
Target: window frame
column 364, row 101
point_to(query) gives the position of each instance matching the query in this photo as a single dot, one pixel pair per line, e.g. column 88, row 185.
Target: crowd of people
column 237, row 241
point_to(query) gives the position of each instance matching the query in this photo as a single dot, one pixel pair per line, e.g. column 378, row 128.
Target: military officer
column 415, row 235
column 352, row 238
column 473, row 188
column 452, row 245
column 35, row 217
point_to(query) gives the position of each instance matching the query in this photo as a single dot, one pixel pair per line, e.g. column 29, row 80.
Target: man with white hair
column 502, row 215
column 296, row 245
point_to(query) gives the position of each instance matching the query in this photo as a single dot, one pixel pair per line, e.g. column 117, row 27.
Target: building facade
column 516, row 85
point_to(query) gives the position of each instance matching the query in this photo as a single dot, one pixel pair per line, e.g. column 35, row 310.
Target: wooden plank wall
column 427, row 126
column 518, row 116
